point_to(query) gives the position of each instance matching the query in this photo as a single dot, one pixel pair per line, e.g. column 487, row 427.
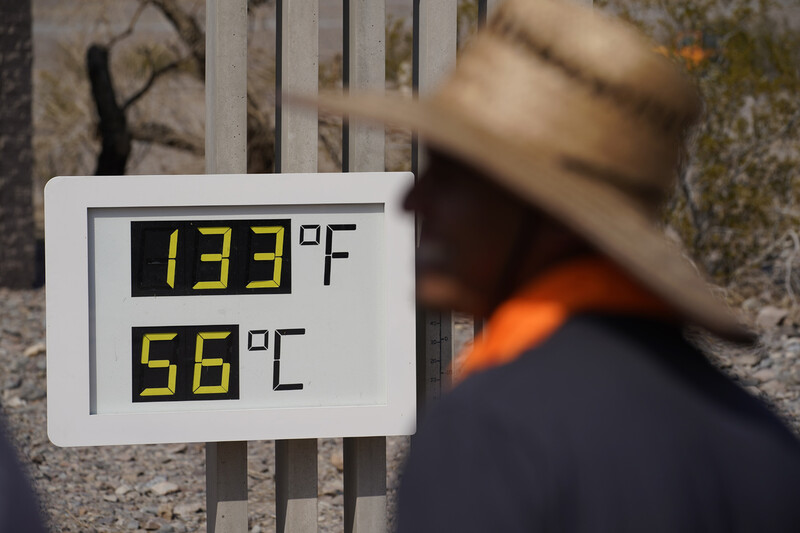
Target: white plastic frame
column 67, row 204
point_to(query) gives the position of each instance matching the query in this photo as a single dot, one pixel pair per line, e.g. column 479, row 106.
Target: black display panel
column 196, row 257
column 183, row 363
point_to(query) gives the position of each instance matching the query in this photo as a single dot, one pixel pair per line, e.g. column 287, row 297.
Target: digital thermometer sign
column 229, row 307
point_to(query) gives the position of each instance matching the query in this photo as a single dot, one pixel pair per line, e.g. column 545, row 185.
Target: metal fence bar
column 296, row 130
column 434, row 55
column 226, row 487
column 363, row 150
column 296, row 485
column 226, row 152
column 297, row 72
column 364, row 70
column 365, row 485
column 226, row 86
column 435, row 36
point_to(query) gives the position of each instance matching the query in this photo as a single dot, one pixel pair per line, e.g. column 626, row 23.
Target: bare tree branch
column 330, row 131
column 155, row 73
column 154, row 132
column 131, row 26
column 260, row 132
column 188, row 30
column 260, row 137
column 112, row 127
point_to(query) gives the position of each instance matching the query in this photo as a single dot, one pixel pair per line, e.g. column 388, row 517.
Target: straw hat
column 577, row 114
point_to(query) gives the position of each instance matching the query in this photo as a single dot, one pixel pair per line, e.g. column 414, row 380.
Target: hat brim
column 603, row 215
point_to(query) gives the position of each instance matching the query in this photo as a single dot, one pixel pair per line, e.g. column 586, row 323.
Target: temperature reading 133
column 195, row 257
column 188, row 257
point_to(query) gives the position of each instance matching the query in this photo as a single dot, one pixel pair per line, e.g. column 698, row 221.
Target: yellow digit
column 275, row 256
column 173, row 251
column 221, row 258
column 200, row 362
column 158, row 363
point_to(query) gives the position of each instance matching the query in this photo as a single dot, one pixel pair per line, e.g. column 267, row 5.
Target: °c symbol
column 257, row 340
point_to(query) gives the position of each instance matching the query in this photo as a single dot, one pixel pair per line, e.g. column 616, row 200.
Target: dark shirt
column 19, row 509
column 613, row 424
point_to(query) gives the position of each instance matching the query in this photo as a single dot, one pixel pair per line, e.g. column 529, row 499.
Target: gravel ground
column 162, row 487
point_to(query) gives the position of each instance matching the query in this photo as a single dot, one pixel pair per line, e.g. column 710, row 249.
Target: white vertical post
column 365, row 485
column 364, row 70
column 226, row 86
column 226, row 152
column 226, row 487
column 363, row 150
column 297, row 72
column 296, row 485
column 435, row 33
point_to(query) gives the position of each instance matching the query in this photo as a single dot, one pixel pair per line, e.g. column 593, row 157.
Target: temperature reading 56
column 182, row 363
column 178, row 363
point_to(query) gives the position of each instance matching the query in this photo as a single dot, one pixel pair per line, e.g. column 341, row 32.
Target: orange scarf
column 535, row 312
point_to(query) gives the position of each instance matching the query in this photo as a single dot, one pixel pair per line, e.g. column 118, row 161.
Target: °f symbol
column 310, row 236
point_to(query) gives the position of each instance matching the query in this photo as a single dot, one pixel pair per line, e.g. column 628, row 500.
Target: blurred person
column 582, row 407
column 19, row 508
